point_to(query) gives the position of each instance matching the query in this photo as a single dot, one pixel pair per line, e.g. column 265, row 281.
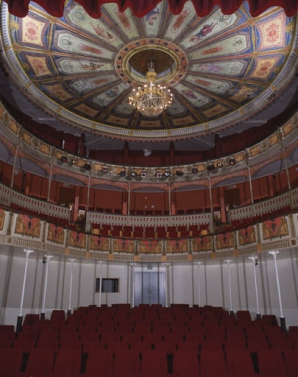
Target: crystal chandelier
column 151, row 99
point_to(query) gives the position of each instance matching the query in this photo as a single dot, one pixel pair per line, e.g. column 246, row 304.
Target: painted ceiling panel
column 219, row 68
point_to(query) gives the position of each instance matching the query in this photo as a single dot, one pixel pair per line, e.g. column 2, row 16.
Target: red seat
column 99, row 363
column 213, row 362
column 271, row 363
column 291, row 359
column 185, row 363
column 126, row 363
column 154, row 363
column 11, row 361
column 40, row 363
column 67, row 363
column 57, row 318
column 240, row 363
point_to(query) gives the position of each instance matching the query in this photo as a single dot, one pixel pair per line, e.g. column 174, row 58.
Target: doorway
column 150, row 286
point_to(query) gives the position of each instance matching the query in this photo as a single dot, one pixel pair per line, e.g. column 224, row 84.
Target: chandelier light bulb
column 151, row 99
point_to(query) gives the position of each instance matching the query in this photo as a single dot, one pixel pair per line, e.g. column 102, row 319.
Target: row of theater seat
column 148, row 363
column 150, row 341
column 149, row 231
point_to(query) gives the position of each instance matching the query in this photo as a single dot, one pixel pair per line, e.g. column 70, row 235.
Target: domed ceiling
column 221, row 69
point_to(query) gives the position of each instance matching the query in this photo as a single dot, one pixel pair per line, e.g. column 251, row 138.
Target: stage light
column 167, row 173
column 122, row 173
column 210, row 167
column 87, row 166
column 133, row 174
column 194, row 171
column 158, row 174
column 143, row 174
column 219, row 164
column 104, row 170
column 232, row 161
column 63, row 159
column 179, row 173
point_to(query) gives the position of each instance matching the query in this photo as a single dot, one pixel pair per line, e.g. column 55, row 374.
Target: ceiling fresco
column 221, row 68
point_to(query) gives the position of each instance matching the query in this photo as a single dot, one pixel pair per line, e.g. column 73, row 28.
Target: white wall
column 183, row 284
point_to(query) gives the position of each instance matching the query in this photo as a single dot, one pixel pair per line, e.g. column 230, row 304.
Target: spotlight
column 122, row 173
column 232, row 161
column 133, row 174
column 179, row 173
column 194, row 171
column 72, row 161
column 219, row 164
column 167, row 173
column 87, row 166
column 159, row 174
column 143, row 174
column 104, row 170
column 63, row 159
column 210, row 167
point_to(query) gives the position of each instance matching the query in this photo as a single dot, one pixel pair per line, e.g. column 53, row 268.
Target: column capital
column 28, row 251
column 253, row 258
column 273, row 253
column 228, row 261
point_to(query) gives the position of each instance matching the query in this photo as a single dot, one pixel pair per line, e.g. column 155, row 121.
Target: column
column 88, row 192
column 210, row 194
column 14, row 166
column 50, row 180
column 70, row 286
column 128, row 199
column 255, row 263
column 46, row 260
column 166, row 285
column 282, row 318
column 199, row 284
column 170, row 201
column 250, row 186
column 285, row 159
column 230, row 287
column 20, row 317
column 132, row 285
column 100, row 283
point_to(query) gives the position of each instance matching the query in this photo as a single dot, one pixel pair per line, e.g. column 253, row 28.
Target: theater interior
column 149, row 188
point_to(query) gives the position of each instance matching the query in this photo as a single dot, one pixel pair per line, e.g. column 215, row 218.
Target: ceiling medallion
column 171, row 62
column 151, row 99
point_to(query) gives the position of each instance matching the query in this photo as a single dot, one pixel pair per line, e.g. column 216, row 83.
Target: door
column 149, row 287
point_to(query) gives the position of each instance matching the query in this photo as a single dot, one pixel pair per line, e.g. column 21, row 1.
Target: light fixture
column 133, row 174
column 143, row 174
column 167, row 173
column 232, row 161
column 151, row 99
column 194, row 171
column 123, row 173
column 104, row 170
column 159, row 174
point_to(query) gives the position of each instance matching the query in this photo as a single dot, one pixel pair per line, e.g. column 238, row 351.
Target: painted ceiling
column 221, row 68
